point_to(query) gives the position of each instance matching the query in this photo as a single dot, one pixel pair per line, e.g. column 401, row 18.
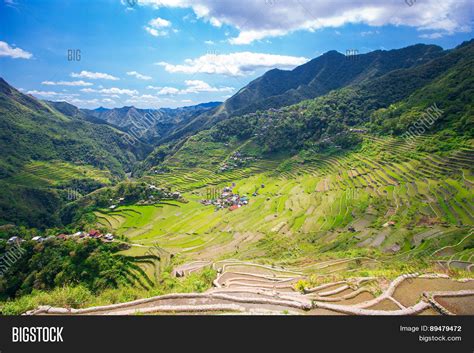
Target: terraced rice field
column 321, row 217
column 249, row 288
column 321, row 197
column 48, row 174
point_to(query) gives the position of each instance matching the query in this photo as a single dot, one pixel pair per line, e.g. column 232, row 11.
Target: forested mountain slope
column 43, row 148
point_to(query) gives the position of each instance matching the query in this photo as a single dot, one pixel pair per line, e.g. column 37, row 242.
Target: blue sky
column 170, row 53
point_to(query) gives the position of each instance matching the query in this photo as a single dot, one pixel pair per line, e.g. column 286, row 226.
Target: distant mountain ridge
column 332, row 70
column 158, row 122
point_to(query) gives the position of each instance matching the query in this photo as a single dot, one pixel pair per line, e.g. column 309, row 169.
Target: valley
column 319, row 204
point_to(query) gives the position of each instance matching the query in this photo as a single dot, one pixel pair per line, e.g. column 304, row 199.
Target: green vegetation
column 82, row 297
column 91, row 263
column 334, row 186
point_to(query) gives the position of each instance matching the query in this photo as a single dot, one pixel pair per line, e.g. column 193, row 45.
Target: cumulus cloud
column 111, row 91
column 159, row 23
column 150, row 101
column 138, row 75
column 84, row 102
column 53, row 95
column 434, row 35
column 94, row 75
column 260, row 19
column 66, row 83
column 234, row 64
column 192, row 86
column 197, row 86
column 168, row 91
column 15, row 53
column 43, row 93
column 156, row 25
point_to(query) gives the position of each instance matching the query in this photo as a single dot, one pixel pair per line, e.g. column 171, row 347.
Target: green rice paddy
column 311, row 201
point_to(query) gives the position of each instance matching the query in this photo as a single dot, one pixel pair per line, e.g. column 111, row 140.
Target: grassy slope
column 44, row 152
column 310, row 199
column 308, row 203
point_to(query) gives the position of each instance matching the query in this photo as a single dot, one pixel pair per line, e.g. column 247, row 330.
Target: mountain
column 53, row 146
column 158, row 123
column 332, row 70
column 386, row 104
column 330, row 184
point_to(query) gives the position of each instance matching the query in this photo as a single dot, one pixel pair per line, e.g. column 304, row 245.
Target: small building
column 38, row 239
column 14, row 240
column 109, row 237
column 389, row 223
column 94, row 233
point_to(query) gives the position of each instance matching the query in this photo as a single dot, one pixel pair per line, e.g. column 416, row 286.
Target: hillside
column 320, row 203
column 157, row 123
column 332, row 70
column 44, row 149
column 331, row 178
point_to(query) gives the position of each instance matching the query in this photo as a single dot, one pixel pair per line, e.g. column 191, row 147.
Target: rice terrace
column 216, row 166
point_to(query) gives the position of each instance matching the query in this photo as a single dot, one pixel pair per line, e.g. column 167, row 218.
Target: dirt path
column 248, row 288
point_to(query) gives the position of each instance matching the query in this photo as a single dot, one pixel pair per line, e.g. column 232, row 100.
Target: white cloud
column 15, row 53
column 138, row 75
column 168, row 91
column 192, row 86
column 256, row 20
column 111, row 91
column 196, row 86
column 67, row 83
column 156, row 33
column 52, row 94
column 94, row 75
column 84, row 102
column 434, row 35
column 159, row 23
column 209, row 42
column 369, row 33
column 235, row 64
column 156, row 25
column 43, row 93
column 149, row 101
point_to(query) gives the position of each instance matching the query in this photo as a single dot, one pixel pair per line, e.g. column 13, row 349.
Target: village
column 225, row 199
column 236, row 160
column 80, row 235
column 151, row 195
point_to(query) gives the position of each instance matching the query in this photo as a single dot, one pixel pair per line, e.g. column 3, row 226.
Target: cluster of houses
column 93, row 233
column 227, row 199
column 166, row 193
column 115, row 204
column 236, row 160
column 153, row 194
